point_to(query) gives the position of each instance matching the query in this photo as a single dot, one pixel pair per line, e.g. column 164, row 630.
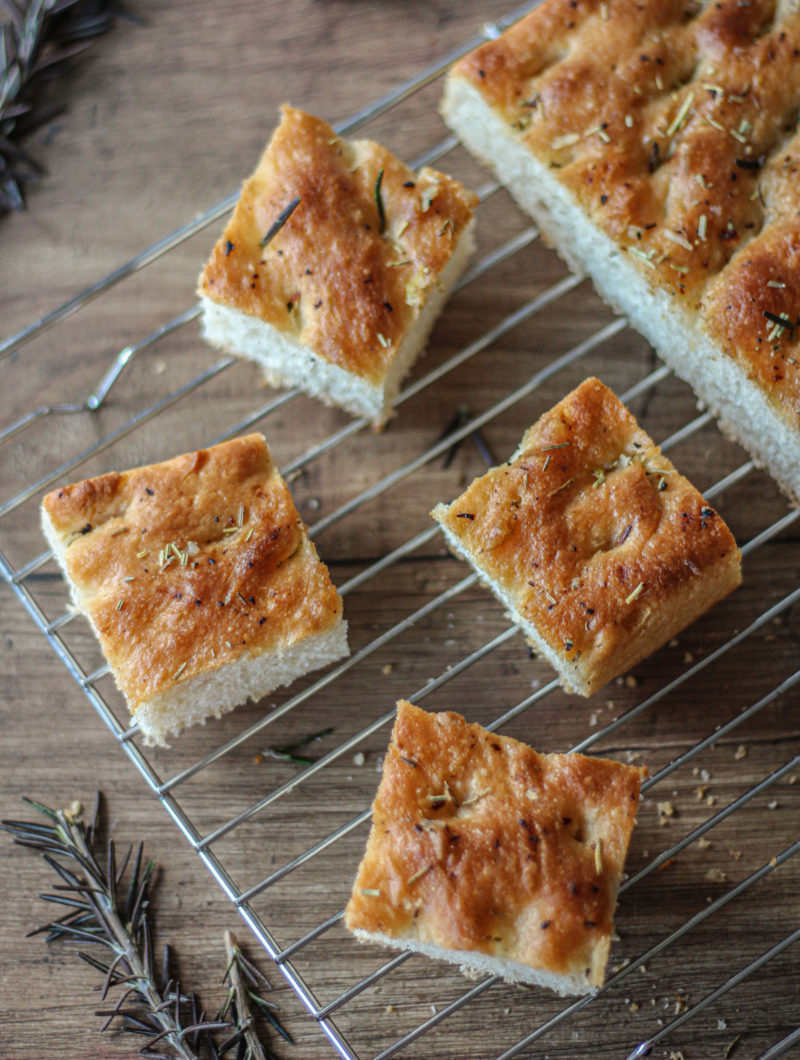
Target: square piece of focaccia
column 199, row 579
column 656, row 143
column 599, row 548
column 334, row 266
column 485, row 853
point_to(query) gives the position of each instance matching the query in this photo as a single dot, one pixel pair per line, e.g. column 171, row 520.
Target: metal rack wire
column 56, row 621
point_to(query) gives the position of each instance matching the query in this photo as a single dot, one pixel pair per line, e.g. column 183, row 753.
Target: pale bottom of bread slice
column 744, row 412
column 474, row 964
column 251, row 677
column 287, row 362
column 672, row 615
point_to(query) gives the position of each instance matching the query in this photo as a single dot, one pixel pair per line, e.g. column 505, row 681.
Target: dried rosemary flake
column 229, row 529
column 240, row 518
column 701, row 180
column 546, row 462
column 122, row 530
column 142, row 554
column 130, row 578
column 399, row 264
column 563, row 486
column 636, row 592
column 679, row 268
column 702, row 226
column 228, row 644
column 598, row 856
column 713, row 123
column 678, row 238
column 681, row 116
column 775, row 283
column 738, row 136
column 383, row 340
column 120, row 604
column 599, row 477
column 418, row 875
column 555, row 445
column 250, row 533
column 567, row 140
column 179, row 671
column 604, row 12
column 640, row 254
column 371, row 892
column 629, row 121
column 550, row 597
column 244, row 601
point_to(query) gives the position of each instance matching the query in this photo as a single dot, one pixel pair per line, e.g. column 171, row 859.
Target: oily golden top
column 337, row 277
column 674, row 125
column 479, row 843
column 190, row 564
column 590, row 528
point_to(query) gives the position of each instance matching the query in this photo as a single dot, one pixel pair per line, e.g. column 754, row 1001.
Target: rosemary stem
column 107, row 911
column 240, row 994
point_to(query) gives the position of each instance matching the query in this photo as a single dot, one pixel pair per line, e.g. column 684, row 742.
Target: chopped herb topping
column 279, row 222
column 781, row 320
column 555, row 445
column 179, row 671
column 636, row 592
column 465, row 515
column 371, row 892
column 379, row 202
column 418, row 875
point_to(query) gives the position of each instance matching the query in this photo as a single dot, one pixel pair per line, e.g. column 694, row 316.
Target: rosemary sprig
column 37, row 38
column 286, row 752
column 104, row 910
column 244, row 983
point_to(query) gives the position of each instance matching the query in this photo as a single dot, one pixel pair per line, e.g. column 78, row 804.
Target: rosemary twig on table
column 105, row 911
column 37, row 37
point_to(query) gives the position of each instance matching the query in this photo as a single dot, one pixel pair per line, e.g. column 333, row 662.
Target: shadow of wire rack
column 703, row 917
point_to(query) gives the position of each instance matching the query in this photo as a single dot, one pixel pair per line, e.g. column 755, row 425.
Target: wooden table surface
column 164, row 119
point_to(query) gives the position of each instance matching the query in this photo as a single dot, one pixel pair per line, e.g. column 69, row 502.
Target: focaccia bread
column 656, row 143
column 485, row 853
column 335, row 264
column 199, row 579
column 599, row 548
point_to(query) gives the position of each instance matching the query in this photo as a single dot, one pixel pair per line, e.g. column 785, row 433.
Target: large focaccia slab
column 656, row 143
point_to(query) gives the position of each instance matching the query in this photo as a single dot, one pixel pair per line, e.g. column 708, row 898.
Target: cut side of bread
column 335, row 265
column 487, row 854
column 199, row 580
column 598, row 547
column 659, row 152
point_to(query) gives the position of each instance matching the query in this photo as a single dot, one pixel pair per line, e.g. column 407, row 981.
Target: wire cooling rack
column 720, row 833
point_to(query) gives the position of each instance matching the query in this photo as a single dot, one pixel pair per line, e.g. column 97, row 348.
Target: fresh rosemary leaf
column 379, row 202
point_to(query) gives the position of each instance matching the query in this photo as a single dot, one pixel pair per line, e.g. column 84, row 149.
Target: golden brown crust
column 674, row 127
column 594, row 537
column 480, row 844
column 330, row 278
column 185, row 566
